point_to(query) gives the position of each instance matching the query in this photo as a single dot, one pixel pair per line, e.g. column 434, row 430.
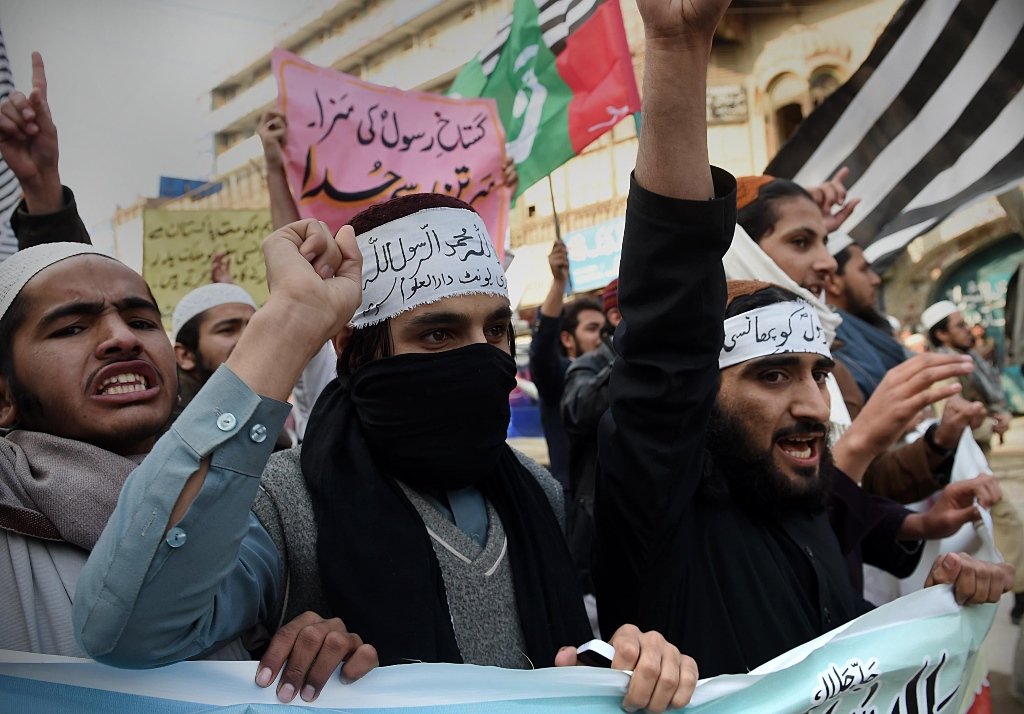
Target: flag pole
column 569, row 290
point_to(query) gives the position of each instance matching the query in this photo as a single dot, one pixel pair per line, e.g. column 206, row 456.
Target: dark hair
column 188, row 335
column 842, row 258
column 940, row 326
column 759, row 217
column 760, row 298
column 26, row 402
column 374, row 342
column 9, row 324
column 571, row 312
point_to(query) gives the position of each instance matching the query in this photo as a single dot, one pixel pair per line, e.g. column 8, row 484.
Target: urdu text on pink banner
column 352, row 144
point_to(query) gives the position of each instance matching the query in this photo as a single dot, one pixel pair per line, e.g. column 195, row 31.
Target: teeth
column 799, row 452
column 124, row 384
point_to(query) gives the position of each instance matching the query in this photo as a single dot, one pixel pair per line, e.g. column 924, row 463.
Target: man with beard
column 949, row 333
column 584, row 401
column 868, row 347
column 205, row 327
column 561, row 334
column 785, row 233
column 755, row 518
column 404, row 511
column 682, row 544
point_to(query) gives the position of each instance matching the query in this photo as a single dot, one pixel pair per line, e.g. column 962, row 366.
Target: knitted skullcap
column 16, row 271
column 742, row 288
column 936, row 313
column 747, row 188
column 610, row 295
column 202, row 299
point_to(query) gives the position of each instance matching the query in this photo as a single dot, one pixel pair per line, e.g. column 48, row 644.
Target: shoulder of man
column 593, row 361
column 284, row 508
column 548, row 484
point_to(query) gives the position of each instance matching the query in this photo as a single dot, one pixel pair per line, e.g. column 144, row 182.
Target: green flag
column 561, row 74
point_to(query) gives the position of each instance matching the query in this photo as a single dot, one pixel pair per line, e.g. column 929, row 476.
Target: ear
column 567, row 342
column 341, row 339
column 8, row 412
column 185, row 357
column 833, row 285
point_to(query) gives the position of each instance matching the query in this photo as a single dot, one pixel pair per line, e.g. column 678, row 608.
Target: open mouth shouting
column 803, row 450
column 126, row 382
column 802, row 445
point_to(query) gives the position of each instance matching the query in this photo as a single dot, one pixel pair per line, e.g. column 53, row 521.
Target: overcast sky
column 129, row 81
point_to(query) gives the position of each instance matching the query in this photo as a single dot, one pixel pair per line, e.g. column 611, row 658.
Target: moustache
column 803, row 427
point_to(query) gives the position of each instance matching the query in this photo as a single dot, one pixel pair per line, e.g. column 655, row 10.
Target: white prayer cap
column 21, row 267
column 838, row 242
column 936, row 313
column 426, row 256
column 202, row 299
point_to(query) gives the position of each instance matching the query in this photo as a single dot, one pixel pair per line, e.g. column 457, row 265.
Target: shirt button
column 828, row 617
column 176, row 537
column 258, row 433
column 226, row 421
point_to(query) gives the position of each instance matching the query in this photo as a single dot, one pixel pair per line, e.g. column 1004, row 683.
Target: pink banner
column 352, row 144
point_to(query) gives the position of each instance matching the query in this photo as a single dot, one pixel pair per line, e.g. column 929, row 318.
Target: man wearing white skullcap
column 205, row 326
column 408, row 444
column 949, row 332
column 87, row 385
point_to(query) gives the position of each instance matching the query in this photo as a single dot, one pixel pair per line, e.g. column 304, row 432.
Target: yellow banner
column 177, row 247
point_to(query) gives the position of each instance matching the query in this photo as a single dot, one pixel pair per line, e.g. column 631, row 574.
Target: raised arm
column 672, row 299
column 166, row 579
column 673, row 156
column 273, row 132
column 28, row 143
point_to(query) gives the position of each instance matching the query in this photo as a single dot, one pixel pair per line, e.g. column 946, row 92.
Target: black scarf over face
column 434, row 421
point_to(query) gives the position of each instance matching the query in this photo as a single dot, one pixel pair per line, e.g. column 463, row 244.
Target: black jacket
column 730, row 591
column 61, row 226
column 584, row 402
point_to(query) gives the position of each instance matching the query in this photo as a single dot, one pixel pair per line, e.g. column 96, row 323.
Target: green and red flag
column 561, row 74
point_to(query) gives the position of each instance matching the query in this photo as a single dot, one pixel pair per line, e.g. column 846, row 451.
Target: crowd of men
column 154, row 507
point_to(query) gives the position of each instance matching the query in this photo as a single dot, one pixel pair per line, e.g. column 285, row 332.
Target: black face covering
column 438, row 419
column 435, row 422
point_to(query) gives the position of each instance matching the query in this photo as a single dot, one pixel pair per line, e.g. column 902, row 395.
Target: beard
column 31, row 414
column 871, row 315
column 752, row 480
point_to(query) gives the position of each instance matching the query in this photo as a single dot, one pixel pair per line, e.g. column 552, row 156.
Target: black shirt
column 728, row 590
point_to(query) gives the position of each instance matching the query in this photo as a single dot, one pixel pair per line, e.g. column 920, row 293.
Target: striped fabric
column 557, row 19
column 932, row 120
column 10, row 190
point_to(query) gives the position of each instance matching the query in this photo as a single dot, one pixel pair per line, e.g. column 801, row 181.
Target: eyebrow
column 455, row 318
column 79, row 307
column 227, row 322
column 806, row 229
column 786, row 360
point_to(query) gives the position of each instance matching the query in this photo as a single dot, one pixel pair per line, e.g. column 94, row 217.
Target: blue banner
column 916, row 654
column 594, row 254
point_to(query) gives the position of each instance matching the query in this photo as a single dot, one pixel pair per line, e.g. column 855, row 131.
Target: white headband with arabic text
column 779, row 328
column 424, row 257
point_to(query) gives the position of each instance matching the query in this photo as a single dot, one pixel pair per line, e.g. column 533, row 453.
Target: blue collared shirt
column 146, row 598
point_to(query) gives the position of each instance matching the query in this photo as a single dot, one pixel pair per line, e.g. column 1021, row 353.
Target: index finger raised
column 38, row 74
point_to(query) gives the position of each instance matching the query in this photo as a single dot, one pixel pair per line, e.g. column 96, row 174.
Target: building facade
column 772, row 63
